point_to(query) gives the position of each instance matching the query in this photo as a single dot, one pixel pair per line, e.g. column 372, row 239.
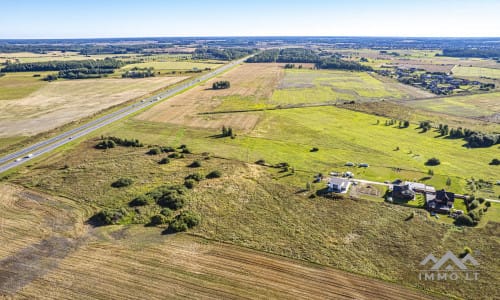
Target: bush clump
column 141, row 200
column 164, row 161
column 122, row 182
column 261, row 162
column 314, row 149
column 158, row 220
column 195, row 164
column 464, row 220
column 169, row 196
column 153, row 151
column 195, row 176
column 190, row 183
column 184, row 221
column 474, row 204
column 175, row 155
column 214, row 174
column 495, row 162
column 110, row 216
column 432, row 162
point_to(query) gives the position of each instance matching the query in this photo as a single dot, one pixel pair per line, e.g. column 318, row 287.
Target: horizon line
column 253, row 36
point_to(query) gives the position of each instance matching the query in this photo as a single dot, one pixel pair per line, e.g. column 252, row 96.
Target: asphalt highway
column 24, row 155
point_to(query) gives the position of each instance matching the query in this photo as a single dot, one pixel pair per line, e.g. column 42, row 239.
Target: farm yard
column 54, row 104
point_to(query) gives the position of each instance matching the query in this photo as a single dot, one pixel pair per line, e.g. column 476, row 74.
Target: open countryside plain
column 47, row 252
column 61, row 102
column 251, row 84
column 251, row 206
column 266, row 228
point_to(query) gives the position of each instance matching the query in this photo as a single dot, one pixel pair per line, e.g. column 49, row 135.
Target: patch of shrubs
column 164, row 161
column 172, row 197
column 184, row 221
column 109, row 216
column 214, row 174
column 314, row 149
column 167, row 149
column 140, row 200
column 158, row 220
column 464, row 220
column 112, row 141
column 154, row 151
column 195, row 176
column 175, row 155
column 474, row 204
column 495, row 162
column 190, row 183
column 195, row 164
column 185, row 151
column 432, row 162
column 122, row 182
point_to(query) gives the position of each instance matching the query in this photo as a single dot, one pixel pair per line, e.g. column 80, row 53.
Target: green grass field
column 341, row 135
column 476, row 72
column 314, row 86
column 251, row 207
column 20, row 85
column 478, row 105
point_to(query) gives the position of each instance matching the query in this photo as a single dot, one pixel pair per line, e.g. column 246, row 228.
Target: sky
column 157, row 18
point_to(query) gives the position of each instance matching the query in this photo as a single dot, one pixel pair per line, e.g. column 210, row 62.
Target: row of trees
column 287, row 55
column 221, row 54
column 139, row 73
column 100, row 65
column 301, row 55
column 474, row 139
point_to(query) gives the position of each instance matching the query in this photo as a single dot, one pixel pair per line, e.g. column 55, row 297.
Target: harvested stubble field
column 253, row 82
column 61, row 102
column 246, row 207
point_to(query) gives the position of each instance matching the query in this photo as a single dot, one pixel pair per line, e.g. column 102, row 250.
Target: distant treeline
column 221, row 54
column 287, row 55
column 73, row 69
column 481, row 53
column 301, row 55
column 100, row 64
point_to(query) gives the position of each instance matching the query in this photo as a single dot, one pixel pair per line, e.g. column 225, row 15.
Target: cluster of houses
column 437, row 82
column 436, row 201
column 439, row 201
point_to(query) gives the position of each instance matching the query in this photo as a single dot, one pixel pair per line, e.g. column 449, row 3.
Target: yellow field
column 61, row 102
column 476, row 72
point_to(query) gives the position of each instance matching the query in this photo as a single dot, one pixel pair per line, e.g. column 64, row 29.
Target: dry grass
column 61, row 102
column 181, row 266
column 249, row 80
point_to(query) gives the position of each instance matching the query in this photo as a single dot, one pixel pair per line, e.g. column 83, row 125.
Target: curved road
column 17, row 158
